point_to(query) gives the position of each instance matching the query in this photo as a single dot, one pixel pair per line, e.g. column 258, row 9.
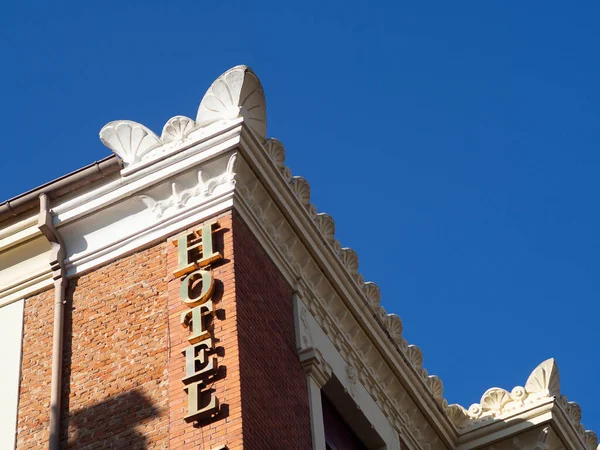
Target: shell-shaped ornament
column 326, row 227
column 236, row 93
column 177, row 128
column 129, row 140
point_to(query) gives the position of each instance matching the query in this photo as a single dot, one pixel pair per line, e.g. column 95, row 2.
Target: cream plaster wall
column 11, row 324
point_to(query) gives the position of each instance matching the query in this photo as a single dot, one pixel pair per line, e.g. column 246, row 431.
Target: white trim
column 317, row 429
column 327, row 360
column 26, row 288
column 77, row 215
column 151, row 235
column 122, row 188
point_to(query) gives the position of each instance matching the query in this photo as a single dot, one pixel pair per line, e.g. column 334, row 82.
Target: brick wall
column 34, row 392
column 274, row 392
column 114, row 362
column 123, row 365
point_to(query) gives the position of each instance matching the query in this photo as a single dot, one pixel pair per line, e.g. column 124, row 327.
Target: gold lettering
column 194, row 253
column 195, row 401
column 194, row 320
column 201, row 243
column 197, row 361
column 205, row 292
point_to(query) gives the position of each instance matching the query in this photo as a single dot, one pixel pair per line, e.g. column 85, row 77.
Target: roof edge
column 60, row 186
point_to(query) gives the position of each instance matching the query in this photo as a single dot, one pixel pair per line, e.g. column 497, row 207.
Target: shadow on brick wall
column 117, row 422
column 112, row 423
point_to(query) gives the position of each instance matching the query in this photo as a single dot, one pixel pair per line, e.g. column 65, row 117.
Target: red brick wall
column 34, row 393
column 275, row 406
column 123, row 364
column 114, row 362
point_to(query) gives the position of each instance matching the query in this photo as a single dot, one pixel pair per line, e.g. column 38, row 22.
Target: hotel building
column 184, row 293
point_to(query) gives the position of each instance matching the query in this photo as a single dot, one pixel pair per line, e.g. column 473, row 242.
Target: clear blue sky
column 456, row 144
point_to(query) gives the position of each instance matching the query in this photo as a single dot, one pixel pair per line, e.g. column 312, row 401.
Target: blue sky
column 456, row 144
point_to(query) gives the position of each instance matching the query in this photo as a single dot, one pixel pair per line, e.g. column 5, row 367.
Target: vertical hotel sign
column 195, row 254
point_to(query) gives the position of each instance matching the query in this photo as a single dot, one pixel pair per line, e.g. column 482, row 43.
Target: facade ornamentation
column 351, row 379
column 177, row 129
column 182, row 197
column 542, row 385
column 345, row 333
column 276, row 152
column 130, row 140
column 538, row 439
column 314, row 365
column 301, row 189
column 349, row 260
column 305, row 329
column 371, row 293
column 415, row 356
column 394, row 326
column 235, row 94
column 326, row 227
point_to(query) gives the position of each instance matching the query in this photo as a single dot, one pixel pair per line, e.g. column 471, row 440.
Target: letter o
column 207, row 287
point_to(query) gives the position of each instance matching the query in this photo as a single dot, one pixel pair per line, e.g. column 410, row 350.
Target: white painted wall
column 11, row 331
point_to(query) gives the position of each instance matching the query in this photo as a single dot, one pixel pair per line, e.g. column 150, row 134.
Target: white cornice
column 196, row 153
column 542, row 389
column 236, row 95
column 292, row 197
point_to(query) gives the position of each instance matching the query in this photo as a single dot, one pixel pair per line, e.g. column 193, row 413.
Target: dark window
column 338, row 435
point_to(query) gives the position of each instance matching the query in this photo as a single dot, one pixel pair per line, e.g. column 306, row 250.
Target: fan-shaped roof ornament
column 236, row 93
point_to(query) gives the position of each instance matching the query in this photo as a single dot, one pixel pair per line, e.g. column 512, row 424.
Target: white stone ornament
column 180, row 197
column 542, row 385
column 326, row 227
column 372, row 293
column 177, row 129
column 236, row 93
column 302, row 190
column 394, row 326
column 352, row 380
column 129, row 140
column 437, row 387
column 544, row 380
column 276, row 152
column 415, row 356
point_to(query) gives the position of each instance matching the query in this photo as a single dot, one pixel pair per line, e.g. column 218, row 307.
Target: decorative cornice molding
column 543, row 438
column 131, row 141
column 542, row 385
column 314, row 365
column 352, row 380
column 332, row 315
column 236, row 94
column 180, row 198
column 349, row 260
